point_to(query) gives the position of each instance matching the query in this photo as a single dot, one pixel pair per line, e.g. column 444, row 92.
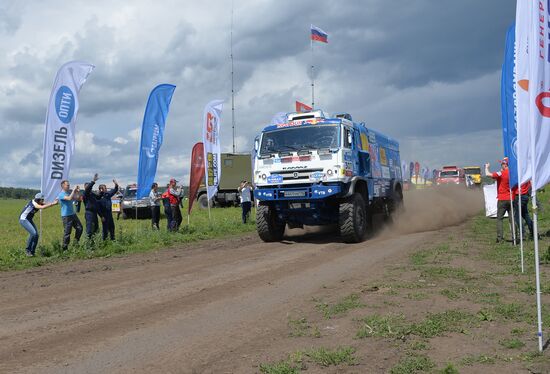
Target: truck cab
column 450, row 175
column 316, row 169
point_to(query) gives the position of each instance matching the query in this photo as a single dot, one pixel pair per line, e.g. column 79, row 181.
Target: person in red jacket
column 504, row 203
column 525, row 190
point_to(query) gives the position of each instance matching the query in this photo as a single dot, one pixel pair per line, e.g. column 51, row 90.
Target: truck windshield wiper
column 288, row 148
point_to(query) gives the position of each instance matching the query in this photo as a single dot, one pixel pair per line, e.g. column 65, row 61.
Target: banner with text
column 212, row 149
column 539, row 95
column 508, row 106
column 152, row 133
column 196, row 174
column 59, row 135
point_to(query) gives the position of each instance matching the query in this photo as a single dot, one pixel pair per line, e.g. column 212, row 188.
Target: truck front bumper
column 301, row 193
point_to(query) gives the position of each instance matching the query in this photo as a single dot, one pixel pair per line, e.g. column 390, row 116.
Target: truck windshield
column 299, row 138
column 448, row 173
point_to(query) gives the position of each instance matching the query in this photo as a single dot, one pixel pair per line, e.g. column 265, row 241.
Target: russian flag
column 318, row 35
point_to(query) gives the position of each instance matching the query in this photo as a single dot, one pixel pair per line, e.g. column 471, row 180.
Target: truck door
column 363, row 158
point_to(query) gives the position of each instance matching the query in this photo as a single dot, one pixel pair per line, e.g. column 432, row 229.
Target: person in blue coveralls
column 106, row 211
column 25, row 219
column 91, row 203
column 67, row 199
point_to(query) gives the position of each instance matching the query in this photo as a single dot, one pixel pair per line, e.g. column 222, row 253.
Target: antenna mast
column 232, row 82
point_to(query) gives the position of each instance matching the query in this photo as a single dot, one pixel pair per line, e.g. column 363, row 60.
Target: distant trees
column 17, row 193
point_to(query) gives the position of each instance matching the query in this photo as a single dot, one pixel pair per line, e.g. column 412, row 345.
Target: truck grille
column 297, row 175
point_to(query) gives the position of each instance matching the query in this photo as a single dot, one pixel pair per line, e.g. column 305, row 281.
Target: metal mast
column 232, row 82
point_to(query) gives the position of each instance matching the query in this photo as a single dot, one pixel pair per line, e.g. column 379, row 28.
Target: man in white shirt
column 245, row 189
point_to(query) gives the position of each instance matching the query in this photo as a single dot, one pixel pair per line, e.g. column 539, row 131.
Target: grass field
column 132, row 235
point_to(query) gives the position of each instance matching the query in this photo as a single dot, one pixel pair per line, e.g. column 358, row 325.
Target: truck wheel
column 269, row 228
column 203, row 201
column 353, row 219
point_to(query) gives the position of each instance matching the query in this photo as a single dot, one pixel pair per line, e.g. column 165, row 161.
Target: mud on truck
column 320, row 170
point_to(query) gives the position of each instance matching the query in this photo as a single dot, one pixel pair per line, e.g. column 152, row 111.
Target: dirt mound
column 435, row 208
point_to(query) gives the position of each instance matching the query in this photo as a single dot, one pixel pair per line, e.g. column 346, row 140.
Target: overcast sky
column 426, row 72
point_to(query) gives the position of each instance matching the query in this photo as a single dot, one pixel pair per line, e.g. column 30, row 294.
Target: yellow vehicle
column 473, row 172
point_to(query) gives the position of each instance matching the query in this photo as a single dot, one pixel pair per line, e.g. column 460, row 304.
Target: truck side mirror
column 256, row 144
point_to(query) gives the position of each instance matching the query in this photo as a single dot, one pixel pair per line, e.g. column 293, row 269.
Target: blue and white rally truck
column 320, row 170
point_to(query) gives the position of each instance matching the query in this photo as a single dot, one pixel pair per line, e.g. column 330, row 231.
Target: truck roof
column 318, row 117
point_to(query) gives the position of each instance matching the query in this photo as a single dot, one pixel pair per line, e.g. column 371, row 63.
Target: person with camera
column 174, row 196
column 245, row 190
column 67, row 199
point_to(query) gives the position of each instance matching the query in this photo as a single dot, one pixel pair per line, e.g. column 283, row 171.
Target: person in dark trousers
column 25, row 219
column 503, row 195
column 67, row 199
column 245, row 189
column 167, row 209
column 174, row 195
column 525, row 190
column 91, row 203
column 155, row 198
column 105, row 196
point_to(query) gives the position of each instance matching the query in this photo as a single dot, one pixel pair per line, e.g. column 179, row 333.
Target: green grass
column 347, row 303
column 413, row 364
column 326, row 357
column 282, row 367
column 451, row 294
column 390, row 326
column 513, row 343
column 320, row 356
column 132, row 235
column 435, row 324
column 449, row 369
column 301, row 327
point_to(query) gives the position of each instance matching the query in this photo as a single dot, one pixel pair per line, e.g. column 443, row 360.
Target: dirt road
column 217, row 306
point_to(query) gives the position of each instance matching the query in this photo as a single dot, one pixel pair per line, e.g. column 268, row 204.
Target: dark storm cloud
column 417, row 69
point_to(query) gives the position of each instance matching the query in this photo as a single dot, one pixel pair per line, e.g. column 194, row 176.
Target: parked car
column 134, row 209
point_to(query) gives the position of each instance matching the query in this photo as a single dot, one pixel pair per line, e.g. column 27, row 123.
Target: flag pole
column 232, row 81
column 535, row 230
column 512, row 219
column 312, row 80
column 520, row 220
column 40, row 236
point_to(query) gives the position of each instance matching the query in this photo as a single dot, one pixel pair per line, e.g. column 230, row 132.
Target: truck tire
column 203, row 201
column 269, row 228
column 353, row 219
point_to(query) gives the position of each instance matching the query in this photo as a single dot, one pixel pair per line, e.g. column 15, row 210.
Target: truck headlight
column 263, row 176
column 329, row 172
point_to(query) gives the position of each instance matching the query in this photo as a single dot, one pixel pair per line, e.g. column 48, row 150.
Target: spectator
column 108, row 225
column 503, row 194
column 167, row 209
column 25, row 219
column 245, row 189
column 155, row 198
column 67, row 199
column 91, row 203
column 525, row 190
column 174, row 195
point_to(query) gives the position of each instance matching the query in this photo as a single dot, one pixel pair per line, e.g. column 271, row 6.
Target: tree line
column 17, row 193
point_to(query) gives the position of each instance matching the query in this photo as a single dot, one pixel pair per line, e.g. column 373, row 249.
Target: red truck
column 450, row 175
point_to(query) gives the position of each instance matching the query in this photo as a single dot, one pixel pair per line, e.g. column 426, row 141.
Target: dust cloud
column 436, row 208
